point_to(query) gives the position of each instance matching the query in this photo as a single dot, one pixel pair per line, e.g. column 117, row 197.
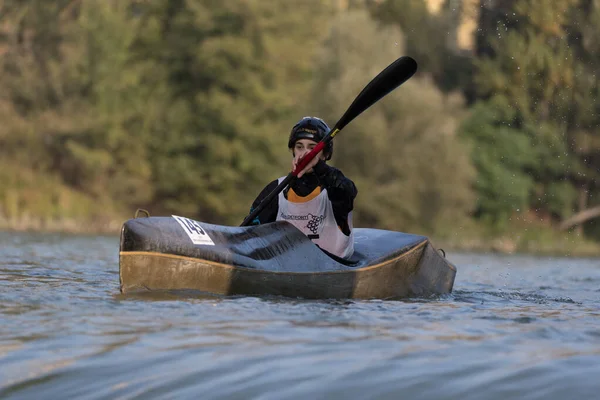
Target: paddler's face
column 303, row 147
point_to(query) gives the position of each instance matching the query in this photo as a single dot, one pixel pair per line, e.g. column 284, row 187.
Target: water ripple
column 515, row 327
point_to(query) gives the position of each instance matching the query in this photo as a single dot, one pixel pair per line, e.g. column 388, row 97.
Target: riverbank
column 529, row 239
column 521, row 239
column 26, row 223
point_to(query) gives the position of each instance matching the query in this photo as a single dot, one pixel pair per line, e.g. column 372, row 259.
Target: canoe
column 178, row 253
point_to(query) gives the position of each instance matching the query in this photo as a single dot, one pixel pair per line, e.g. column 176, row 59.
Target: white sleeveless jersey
column 316, row 220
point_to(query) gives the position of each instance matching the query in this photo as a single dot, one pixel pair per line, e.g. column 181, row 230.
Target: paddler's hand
column 309, row 167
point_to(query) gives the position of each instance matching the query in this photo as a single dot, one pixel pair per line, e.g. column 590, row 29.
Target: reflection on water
column 515, row 327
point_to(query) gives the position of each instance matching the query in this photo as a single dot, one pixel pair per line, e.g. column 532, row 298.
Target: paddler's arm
column 269, row 213
column 341, row 192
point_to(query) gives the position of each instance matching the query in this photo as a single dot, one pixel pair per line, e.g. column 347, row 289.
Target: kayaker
column 320, row 201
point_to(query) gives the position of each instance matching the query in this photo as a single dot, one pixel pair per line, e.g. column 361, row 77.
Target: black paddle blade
column 389, row 79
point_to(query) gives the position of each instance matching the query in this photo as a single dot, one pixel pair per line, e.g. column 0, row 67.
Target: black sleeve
column 341, row 192
column 269, row 213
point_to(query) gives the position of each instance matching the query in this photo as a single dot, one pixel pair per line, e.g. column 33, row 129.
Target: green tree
column 177, row 106
column 502, row 156
column 538, row 87
column 235, row 71
column 78, row 94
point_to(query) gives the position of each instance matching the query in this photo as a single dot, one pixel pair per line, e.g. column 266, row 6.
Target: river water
column 515, row 327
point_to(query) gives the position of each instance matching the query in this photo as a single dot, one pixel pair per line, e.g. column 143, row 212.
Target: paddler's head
column 306, row 134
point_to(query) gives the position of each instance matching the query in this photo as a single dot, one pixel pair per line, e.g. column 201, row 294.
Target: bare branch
column 580, row 218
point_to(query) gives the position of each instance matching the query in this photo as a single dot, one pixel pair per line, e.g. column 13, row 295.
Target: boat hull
column 386, row 265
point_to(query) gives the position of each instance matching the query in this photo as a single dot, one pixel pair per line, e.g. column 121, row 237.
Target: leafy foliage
column 171, row 105
column 530, row 79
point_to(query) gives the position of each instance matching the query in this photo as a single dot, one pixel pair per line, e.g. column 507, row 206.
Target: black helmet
column 312, row 128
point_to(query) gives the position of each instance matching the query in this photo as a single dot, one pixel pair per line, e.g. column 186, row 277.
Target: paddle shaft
column 387, row 80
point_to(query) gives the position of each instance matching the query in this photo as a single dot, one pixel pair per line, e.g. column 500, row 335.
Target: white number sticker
column 194, row 230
